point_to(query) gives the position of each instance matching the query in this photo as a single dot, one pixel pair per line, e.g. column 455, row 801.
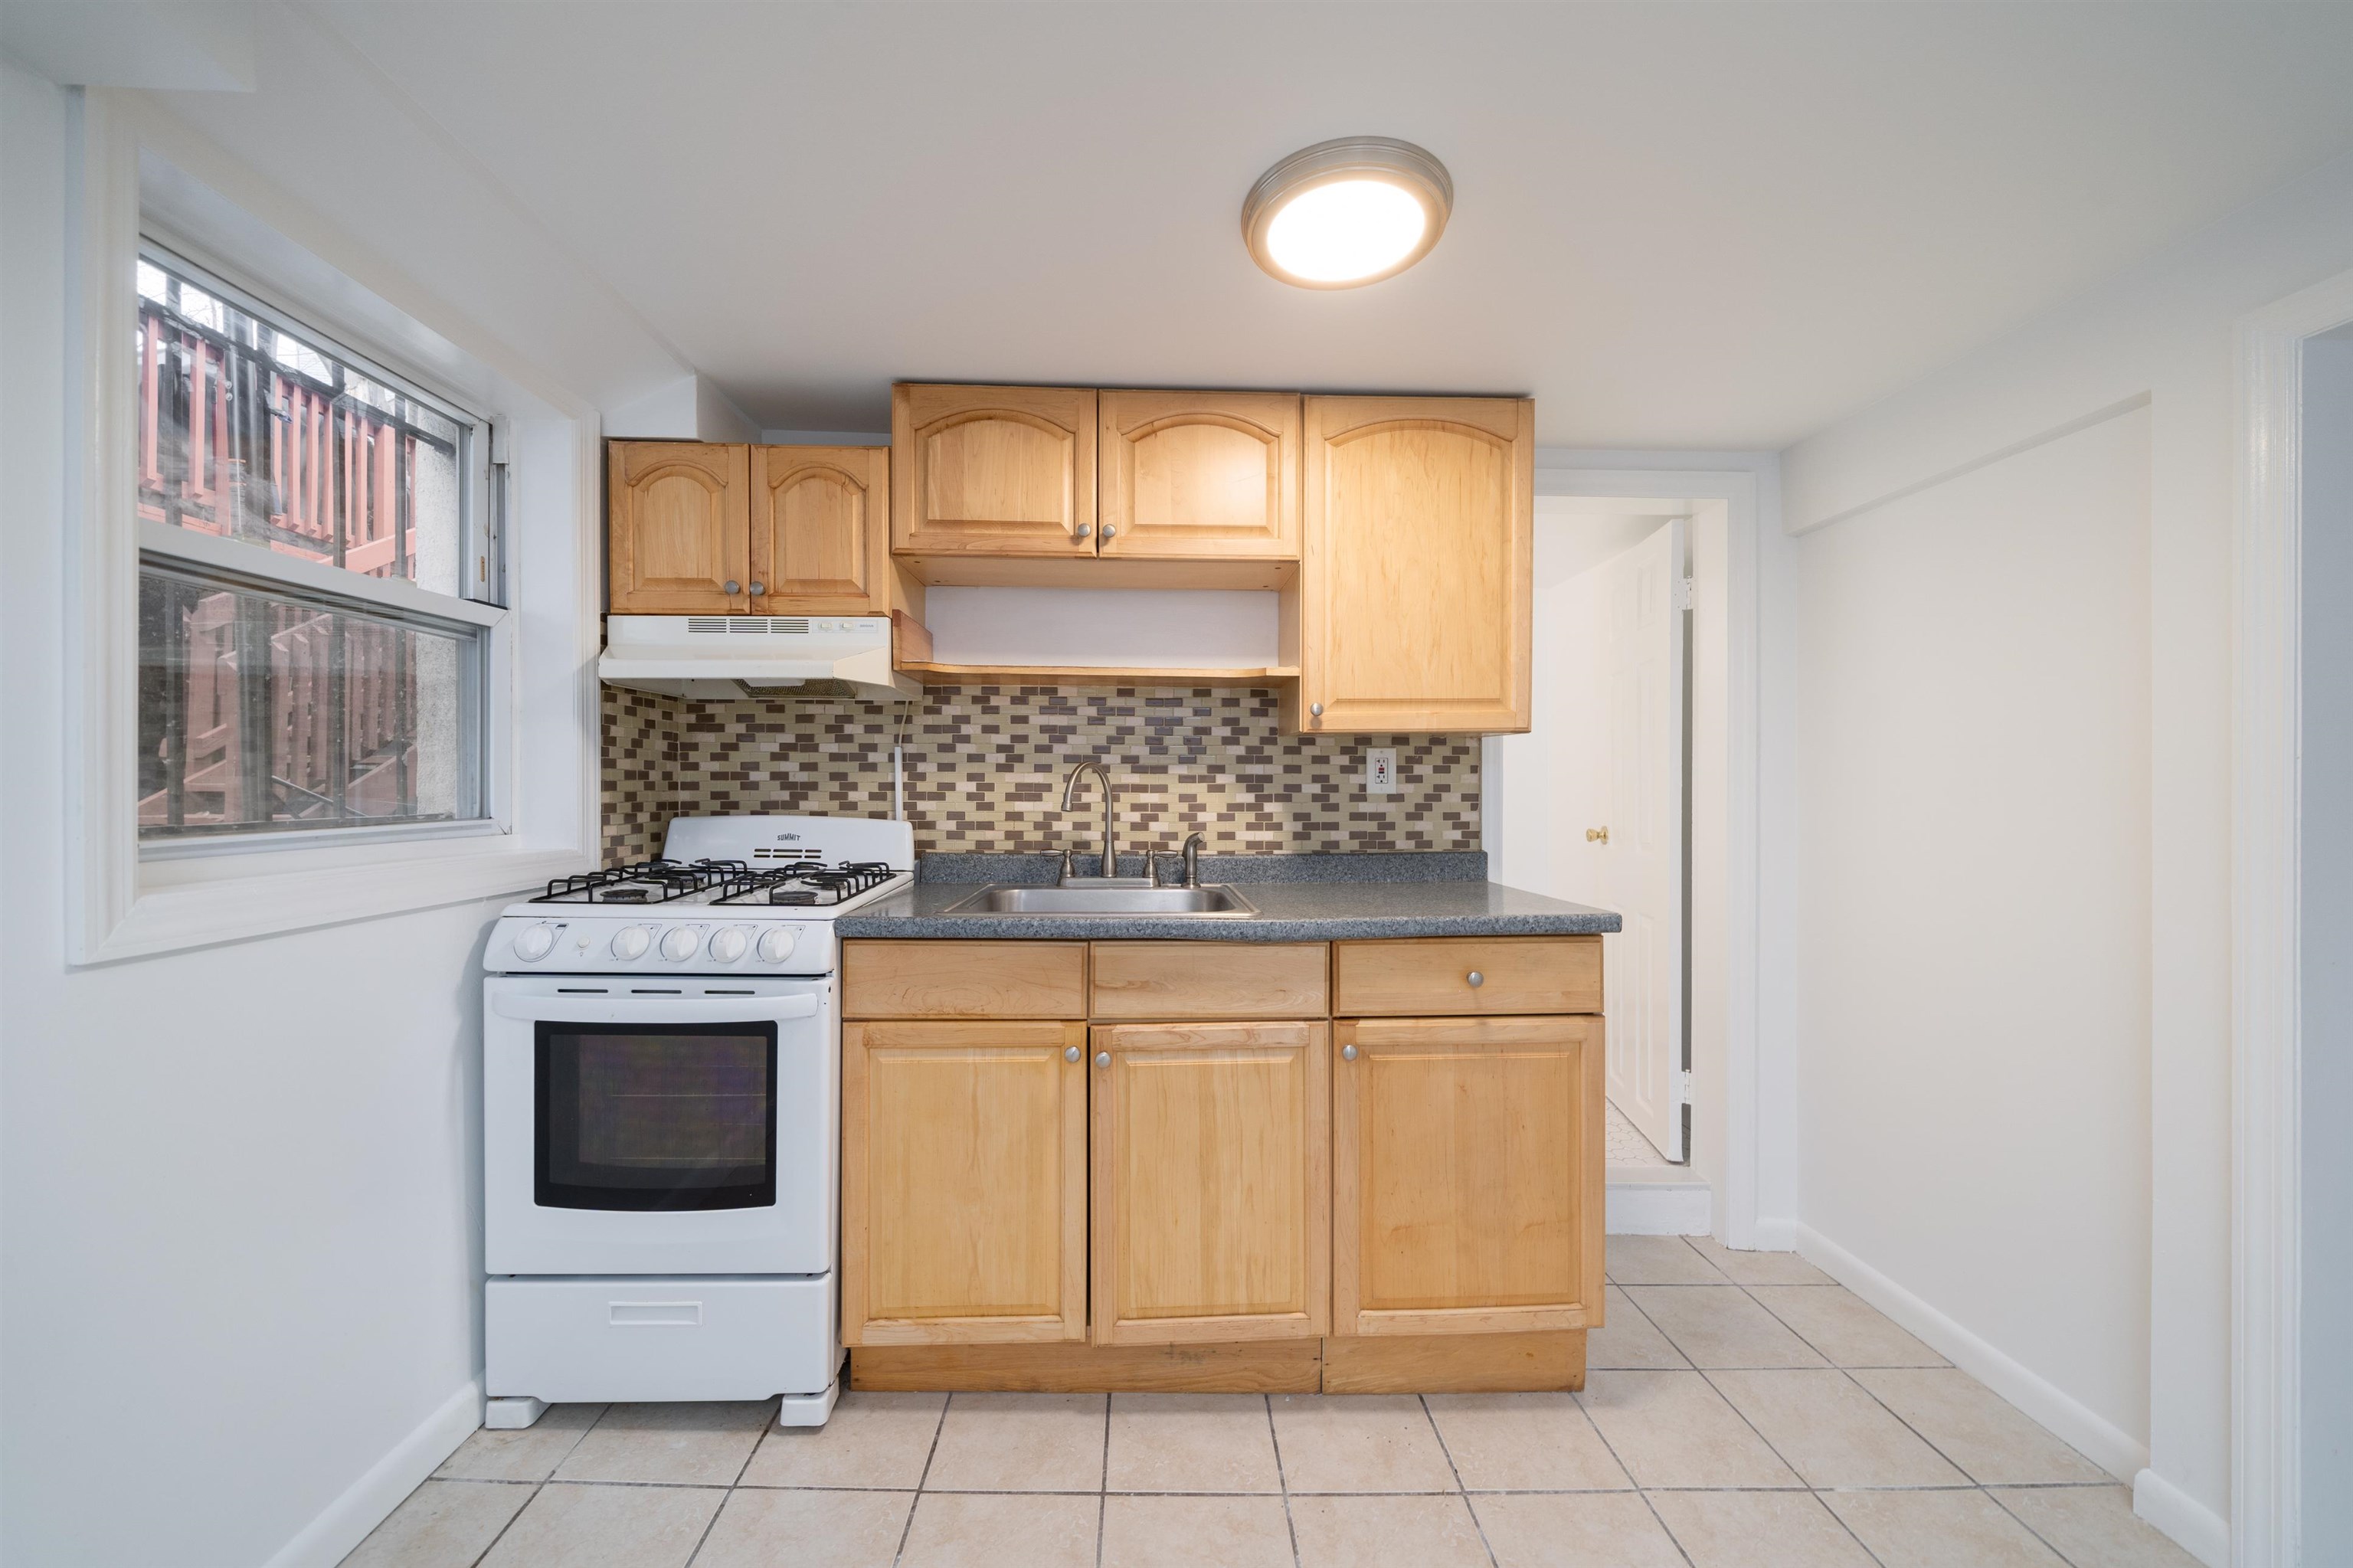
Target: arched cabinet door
column 820, row 535
column 993, row 470
column 676, row 519
column 1200, row 475
column 1414, row 602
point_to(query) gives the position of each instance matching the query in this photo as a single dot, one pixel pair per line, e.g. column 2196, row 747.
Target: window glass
column 249, row 430
column 261, row 713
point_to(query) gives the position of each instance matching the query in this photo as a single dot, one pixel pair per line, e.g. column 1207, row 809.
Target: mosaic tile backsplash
column 985, row 767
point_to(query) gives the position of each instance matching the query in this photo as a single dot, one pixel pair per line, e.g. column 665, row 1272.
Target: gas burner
column 650, row 881
column 809, row 883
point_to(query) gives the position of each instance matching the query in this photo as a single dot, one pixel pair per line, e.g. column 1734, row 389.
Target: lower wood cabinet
column 964, row 1182
column 1468, row 1175
column 1211, row 1190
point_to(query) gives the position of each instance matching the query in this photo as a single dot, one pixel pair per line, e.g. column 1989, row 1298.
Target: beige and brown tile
column 1020, row 1443
column 1387, row 1532
column 1358, row 1442
column 1186, row 1532
column 2092, row 1526
column 442, row 1525
column 1844, row 1327
column 1659, row 1260
column 1758, row 1268
column 1758, row 1530
column 1524, row 1442
column 1719, row 1326
column 1580, row 1529
column 608, row 1527
column 1940, row 1530
column 1627, row 1339
column 1672, row 1429
column 1191, row 1442
column 1831, row 1432
column 879, row 1440
column 1976, row 1429
column 523, row 1454
column 676, row 1445
column 789, row 1528
column 973, row 1530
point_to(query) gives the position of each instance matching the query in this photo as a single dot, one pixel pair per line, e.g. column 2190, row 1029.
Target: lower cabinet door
column 1212, row 1182
column 1468, row 1175
column 964, row 1182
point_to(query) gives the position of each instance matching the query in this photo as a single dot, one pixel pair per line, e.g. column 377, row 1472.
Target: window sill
column 236, row 900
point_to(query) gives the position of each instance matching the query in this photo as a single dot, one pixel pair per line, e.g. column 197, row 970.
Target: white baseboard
column 1773, row 1235
column 346, row 1522
column 2195, row 1528
column 1672, row 1202
column 2100, row 1440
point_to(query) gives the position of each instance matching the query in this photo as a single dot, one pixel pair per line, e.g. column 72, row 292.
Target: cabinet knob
column 1475, row 978
column 734, row 586
column 1315, row 709
column 1103, row 1058
column 1069, row 1053
column 759, row 588
column 1110, row 530
column 1082, row 533
column 1348, row 1052
column 1597, row 835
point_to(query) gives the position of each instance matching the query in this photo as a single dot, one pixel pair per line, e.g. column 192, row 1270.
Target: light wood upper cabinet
column 964, row 1182
column 820, row 531
column 1212, row 1189
column 1201, row 475
column 1468, row 1175
column 677, row 527
column 998, row 470
column 1415, row 600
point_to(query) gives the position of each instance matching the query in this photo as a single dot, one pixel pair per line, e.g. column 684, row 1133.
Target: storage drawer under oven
column 602, row 1339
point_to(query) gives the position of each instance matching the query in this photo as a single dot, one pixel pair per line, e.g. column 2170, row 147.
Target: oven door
column 686, row 1128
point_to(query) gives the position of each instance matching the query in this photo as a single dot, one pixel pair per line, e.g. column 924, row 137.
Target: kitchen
column 765, row 843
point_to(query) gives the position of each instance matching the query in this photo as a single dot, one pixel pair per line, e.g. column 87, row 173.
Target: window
column 316, row 578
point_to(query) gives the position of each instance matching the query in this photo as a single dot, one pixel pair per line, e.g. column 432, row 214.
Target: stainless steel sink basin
column 1211, row 903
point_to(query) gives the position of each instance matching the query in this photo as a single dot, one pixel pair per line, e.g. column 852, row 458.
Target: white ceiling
column 1676, row 225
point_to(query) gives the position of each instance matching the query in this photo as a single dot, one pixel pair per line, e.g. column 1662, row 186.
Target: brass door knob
column 1597, row 835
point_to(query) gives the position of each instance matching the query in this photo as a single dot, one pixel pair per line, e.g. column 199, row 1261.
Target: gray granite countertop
column 1300, row 898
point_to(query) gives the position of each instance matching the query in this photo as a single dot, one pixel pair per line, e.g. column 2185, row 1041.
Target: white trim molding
column 2266, row 1493
column 2195, row 1528
column 343, row 1523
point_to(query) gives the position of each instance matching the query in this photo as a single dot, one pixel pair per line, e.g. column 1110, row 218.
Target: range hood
column 776, row 657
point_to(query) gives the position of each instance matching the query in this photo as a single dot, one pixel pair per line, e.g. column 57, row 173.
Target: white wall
column 1973, row 906
column 238, row 1184
column 2327, row 937
column 2161, row 335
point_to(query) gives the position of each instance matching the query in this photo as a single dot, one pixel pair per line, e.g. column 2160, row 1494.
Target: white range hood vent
column 776, row 657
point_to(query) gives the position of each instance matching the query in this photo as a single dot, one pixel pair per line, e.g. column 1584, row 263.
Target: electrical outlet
column 1380, row 772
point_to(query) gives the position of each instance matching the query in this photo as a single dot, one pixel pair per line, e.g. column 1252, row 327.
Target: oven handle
column 655, row 1010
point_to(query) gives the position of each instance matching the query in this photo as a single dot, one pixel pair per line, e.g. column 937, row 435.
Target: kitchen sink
column 1217, row 902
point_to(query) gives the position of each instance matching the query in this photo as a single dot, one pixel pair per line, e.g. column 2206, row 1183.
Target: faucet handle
column 1068, row 871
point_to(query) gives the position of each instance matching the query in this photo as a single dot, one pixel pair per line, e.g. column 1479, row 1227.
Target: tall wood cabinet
column 1416, row 595
column 698, row 528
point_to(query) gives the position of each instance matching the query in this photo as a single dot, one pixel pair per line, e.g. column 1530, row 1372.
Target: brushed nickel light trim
column 1350, row 162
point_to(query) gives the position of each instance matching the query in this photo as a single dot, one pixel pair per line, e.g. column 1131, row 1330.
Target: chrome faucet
column 1193, row 847
column 1110, row 869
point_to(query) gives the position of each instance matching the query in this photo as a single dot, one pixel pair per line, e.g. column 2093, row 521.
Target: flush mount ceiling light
column 1348, row 212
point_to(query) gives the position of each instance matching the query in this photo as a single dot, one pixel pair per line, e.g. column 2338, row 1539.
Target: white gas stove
column 661, row 1110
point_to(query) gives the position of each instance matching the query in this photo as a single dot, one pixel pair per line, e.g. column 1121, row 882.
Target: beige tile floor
column 1741, row 1411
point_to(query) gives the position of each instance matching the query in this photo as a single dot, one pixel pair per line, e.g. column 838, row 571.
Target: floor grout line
column 1460, row 1490
column 1102, row 1490
column 930, row 1454
column 1282, row 1480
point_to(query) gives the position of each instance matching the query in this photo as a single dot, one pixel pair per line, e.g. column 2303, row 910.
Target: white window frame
column 235, row 565
column 539, row 713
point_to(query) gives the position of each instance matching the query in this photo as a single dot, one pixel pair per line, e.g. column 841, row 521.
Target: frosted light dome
column 1348, row 212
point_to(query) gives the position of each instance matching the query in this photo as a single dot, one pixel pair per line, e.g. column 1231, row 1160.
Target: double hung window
column 318, row 585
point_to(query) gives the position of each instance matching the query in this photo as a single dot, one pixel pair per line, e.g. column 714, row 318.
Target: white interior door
column 1640, row 861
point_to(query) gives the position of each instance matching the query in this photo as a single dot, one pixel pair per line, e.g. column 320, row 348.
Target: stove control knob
column 535, row 943
column 776, row 944
column 728, row 945
column 678, row 943
column 631, row 942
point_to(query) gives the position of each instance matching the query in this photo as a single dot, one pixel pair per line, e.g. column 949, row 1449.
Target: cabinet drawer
column 1211, row 980
column 1433, row 975
column 964, row 979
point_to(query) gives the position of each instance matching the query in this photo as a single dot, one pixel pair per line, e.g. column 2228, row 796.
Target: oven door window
column 656, row 1117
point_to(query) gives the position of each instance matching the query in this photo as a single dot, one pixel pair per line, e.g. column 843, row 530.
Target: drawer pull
column 1348, row 1052
column 656, row 1314
column 1475, row 978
